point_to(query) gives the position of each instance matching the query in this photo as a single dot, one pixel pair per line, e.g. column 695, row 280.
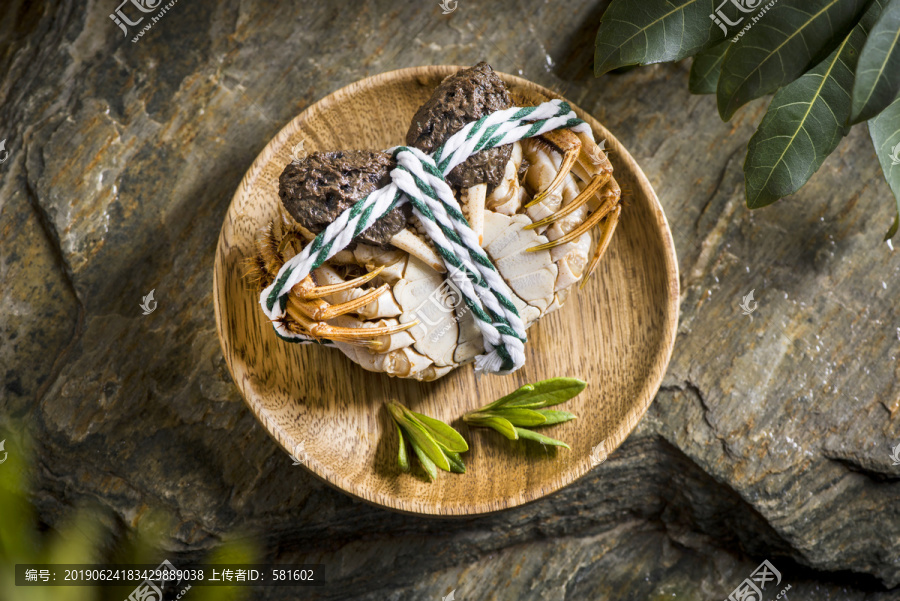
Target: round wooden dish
column 617, row 334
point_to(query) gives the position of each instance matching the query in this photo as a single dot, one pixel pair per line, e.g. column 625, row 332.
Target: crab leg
column 383, row 306
column 308, row 291
column 585, row 195
column 410, row 242
column 322, row 311
column 318, row 329
column 476, row 196
column 590, row 222
column 607, row 231
column 330, row 332
column 505, row 197
column 595, row 153
column 570, row 145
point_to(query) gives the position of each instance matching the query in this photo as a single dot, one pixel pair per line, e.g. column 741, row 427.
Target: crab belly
column 531, row 276
column 446, row 335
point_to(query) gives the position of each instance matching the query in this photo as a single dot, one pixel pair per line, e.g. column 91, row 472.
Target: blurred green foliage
column 86, row 537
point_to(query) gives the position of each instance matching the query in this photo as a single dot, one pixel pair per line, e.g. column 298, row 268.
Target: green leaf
column 550, row 392
column 529, row 435
column 781, row 45
column 878, row 73
column 555, row 417
column 805, row 122
column 521, row 392
column 497, row 423
column 421, row 440
column 520, row 417
column 427, row 464
column 885, row 133
column 402, row 457
column 540, row 394
column 706, row 67
column 639, row 32
column 456, row 463
column 444, row 435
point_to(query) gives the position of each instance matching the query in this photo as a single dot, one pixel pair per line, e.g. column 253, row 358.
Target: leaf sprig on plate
column 525, row 408
column 436, row 444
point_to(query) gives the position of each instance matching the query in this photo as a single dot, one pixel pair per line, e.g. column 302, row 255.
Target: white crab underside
column 446, row 335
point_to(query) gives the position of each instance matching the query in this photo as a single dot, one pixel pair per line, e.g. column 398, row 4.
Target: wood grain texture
column 617, row 334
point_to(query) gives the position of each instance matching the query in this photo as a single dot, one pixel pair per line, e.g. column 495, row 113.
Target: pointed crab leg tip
column 538, row 198
column 314, row 292
column 605, row 238
column 585, row 195
column 407, row 326
column 569, row 159
column 587, row 276
column 333, row 311
column 590, row 222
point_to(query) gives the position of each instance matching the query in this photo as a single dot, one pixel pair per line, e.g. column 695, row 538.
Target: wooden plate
column 617, row 334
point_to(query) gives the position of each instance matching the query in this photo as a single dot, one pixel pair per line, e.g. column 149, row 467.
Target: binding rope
column 419, row 179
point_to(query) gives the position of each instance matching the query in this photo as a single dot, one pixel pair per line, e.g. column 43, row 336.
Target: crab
column 544, row 209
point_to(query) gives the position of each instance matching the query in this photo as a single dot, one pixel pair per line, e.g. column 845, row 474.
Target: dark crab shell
column 466, row 96
column 319, row 187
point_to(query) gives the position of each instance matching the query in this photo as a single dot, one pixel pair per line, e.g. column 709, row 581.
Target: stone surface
column 770, row 438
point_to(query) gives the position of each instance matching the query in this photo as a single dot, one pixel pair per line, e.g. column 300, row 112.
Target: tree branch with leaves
column 830, row 63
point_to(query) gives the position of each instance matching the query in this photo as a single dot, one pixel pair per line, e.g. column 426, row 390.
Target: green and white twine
column 419, row 178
